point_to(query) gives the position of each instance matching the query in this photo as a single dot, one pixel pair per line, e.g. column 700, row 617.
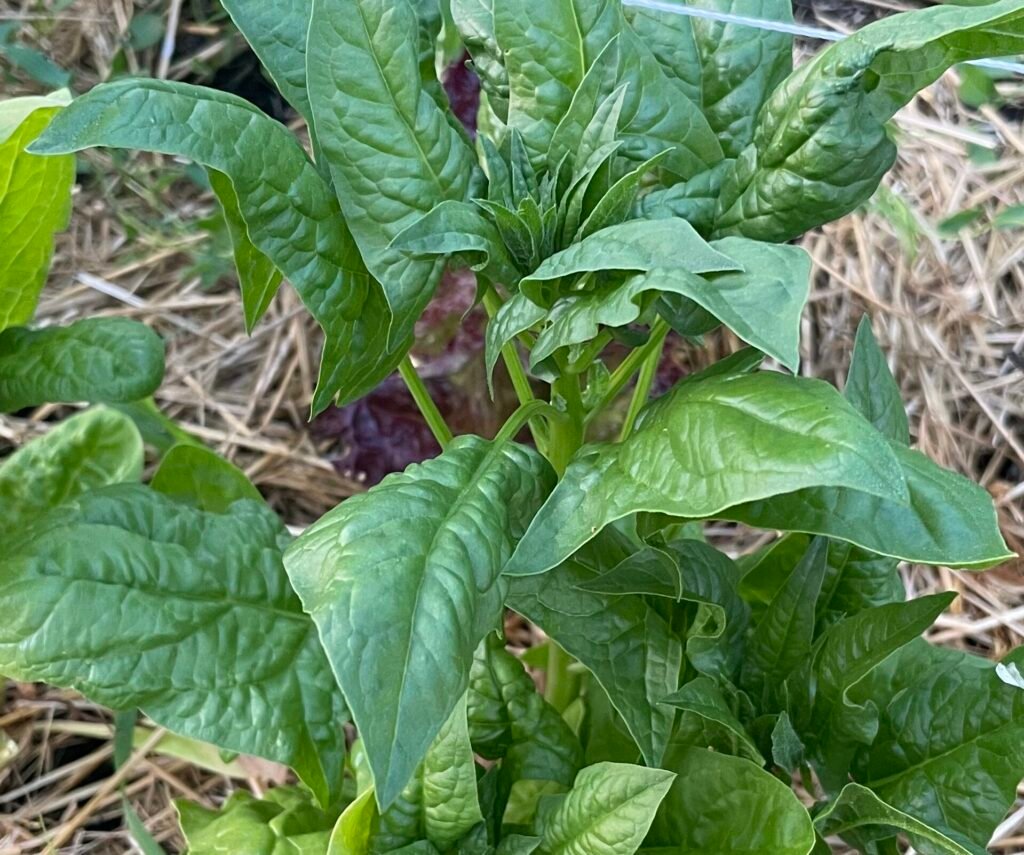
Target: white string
column 818, row 33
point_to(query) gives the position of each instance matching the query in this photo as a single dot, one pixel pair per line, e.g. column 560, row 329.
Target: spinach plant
column 636, row 173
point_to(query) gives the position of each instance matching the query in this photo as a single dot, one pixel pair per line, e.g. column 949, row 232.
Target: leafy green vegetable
column 35, row 204
column 100, row 360
column 198, row 476
column 182, row 590
column 400, row 624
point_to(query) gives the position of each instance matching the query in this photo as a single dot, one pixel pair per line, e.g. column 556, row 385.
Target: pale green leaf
column 198, row 476
column 403, row 583
column 100, row 360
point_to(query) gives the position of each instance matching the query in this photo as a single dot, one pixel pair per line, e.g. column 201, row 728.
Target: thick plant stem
column 435, row 421
column 644, row 381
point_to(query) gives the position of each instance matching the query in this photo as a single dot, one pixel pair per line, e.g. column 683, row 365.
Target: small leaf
column 403, row 583
column 704, row 704
column 198, row 476
column 870, row 387
column 87, row 451
column 723, row 804
column 182, row 592
column 100, row 360
column 607, row 812
column 755, row 437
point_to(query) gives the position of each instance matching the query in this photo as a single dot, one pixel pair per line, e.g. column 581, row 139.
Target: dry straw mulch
column 949, row 311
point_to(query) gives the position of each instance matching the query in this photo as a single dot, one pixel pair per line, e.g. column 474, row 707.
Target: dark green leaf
column 622, row 640
column 608, row 811
column 403, row 583
column 712, row 441
column 728, row 70
column 724, row 804
column 291, row 213
column 708, row 721
column 391, row 150
column 198, row 476
column 820, row 145
column 100, row 360
column 514, row 317
column 93, row 449
column 857, row 809
column 200, row 627
column 870, row 387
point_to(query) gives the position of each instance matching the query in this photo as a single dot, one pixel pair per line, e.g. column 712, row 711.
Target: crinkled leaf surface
column 858, row 809
column 949, row 520
column 727, row 804
column 100, row 360
column 291, row 213
column 949, row 748
column 93, row 449
column 726, row 69
column 820, row 145
column 198, row 626
column 670, row 244
column 200, row 477
column 35, row 203
column 702, row 446
column 622, row 640
column 475, row 22
column 607, row 812
column 284, row 823
column 403, row 583
column 391, row 150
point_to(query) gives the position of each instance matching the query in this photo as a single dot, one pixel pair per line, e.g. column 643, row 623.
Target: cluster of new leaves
column 634, row 171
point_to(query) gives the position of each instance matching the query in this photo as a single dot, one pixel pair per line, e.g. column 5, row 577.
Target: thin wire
column 818, row 33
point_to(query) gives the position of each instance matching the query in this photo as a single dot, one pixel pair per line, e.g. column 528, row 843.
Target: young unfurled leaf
column 514, row 317
column 709, row 722
column 435, row 809
column 711, row 442
column 728, row 70
column 90, row 450
column 622, row 640
column 669, row 244
column 284, row 821
column 289, row 210
column 391, row 150
column 720, row 803
column 182, row 591
column 258, row 279
column 198, row 476
column 948, row 520
column 859, row 815
column 403, row 583
column 607, row 812
column 945, row 719
column 820, row 145
column 100, row 360
column 35, row 204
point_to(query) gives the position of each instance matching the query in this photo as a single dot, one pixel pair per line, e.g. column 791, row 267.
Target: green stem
column 624, row 373
column 644, row 381
column 435, row 421
column 560, row 685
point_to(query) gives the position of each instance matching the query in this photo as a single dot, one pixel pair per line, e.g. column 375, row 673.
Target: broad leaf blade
column 756, row 437
column 200, row 477
column 391, row 150
column 90, row 450
column 35, row 204
column 607, row 812
column 403, row 584
column 100, row 360
column 291, row 213
column 184, row 591
column 726, row 804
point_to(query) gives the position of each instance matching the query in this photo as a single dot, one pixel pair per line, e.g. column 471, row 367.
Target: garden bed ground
column 947, row 306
